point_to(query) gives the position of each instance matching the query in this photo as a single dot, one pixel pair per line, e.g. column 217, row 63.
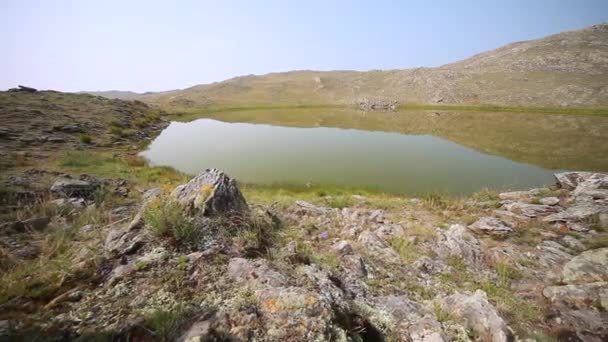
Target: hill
column 566, row 69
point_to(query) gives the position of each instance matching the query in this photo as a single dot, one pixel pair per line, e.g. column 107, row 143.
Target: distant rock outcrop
column 369, row 105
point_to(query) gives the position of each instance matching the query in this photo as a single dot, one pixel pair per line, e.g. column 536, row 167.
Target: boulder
column 210, row 193
column 478, row 315
column 305, row 208
column 121, row 242
column 578, row 212
column 68, row 187
column 570, row 180
column 412, row 319
column 35, row 224
column 459, row 242
column 579, row 296
column 492, row 226
column 589, row 266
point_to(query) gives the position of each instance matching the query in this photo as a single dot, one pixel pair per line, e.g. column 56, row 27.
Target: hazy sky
column 160, row 45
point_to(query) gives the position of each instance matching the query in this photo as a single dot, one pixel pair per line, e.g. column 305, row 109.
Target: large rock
column 457, row 241
column 530, row 210
column 255, row 273
column 576, row 213
column 68, row 187
column 412, row 319
column 210, row 193
column 579, row 296
column 478, row 315
column 570, row 180
column 589, row 266
column 491, row 225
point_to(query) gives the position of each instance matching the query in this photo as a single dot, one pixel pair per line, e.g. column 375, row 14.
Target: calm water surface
column 377, row 153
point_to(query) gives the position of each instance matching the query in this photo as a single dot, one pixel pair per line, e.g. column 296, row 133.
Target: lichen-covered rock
column 256, row 273
column 491, row 225
column 457, row 241
column 478, row 314
column 549, row 201
column 413, row 321
column 210, row 193
column 570, row 180
column 120, row 242
column 578, row 296
column 589, row 266
column 530, row 210
column 68, row 187
column 576, row 213
column 342, row 247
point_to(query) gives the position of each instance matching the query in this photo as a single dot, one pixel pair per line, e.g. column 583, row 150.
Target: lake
column 405, row 152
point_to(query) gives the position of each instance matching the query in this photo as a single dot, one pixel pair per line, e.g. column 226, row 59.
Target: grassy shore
column 195, row 113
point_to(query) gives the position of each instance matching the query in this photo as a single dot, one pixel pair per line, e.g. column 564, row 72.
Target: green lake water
column 397, row 152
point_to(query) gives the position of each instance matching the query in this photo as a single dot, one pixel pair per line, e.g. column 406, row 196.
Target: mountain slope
column 566, row 69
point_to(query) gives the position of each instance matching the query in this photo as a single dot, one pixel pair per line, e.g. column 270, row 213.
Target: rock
column 35, row 224
column 27, row 89
column 155, row 256
column 342, row 247
column 210, row 193
column 549, row 201
column 589, row 266
column 412, row 319
column 428, row 266
column 389, row 231
column 305, row 208
column 570, row 180
column 68, row 187
column 578, row 226
column 371, row 240
column 120, row 242
column 152, row 193
column 119, row 273
column 572, row 243
column 354, row 265
column 478, row 315
column 198, row 332
column 377, row 105
column 491, row 225
column 5, row 328
column 55, row 139
column 459, row 242
column 578, row 296
column 256, row 273
column 87, row 228
column 530, row 210
column 576, row 213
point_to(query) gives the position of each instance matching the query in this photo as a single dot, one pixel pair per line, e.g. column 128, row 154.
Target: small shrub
column 116, row 130
column 85, row 138
column 167, row 219
column 441, row 314
column 506, row 272
column 339, row 202
column 166, row 324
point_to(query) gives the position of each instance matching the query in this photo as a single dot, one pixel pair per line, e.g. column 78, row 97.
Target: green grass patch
column 506, row 109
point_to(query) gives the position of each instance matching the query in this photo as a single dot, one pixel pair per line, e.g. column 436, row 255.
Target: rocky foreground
column 198, row 263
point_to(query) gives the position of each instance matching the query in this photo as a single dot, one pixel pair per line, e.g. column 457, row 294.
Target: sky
column 161, row 45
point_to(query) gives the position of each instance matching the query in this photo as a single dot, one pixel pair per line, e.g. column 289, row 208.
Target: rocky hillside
column 566, row 69
column 37, row 124
column 201, row 263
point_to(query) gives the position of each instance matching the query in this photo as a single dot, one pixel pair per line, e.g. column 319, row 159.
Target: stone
column 369, row 105
column 255, row 273
column 572, row 243
column 412, row 319
column 530, row 210
column 152, row 193
column 492, row 226
column 589, row 266
column 5, row 328
column 342, row 247
column 198, row 332
column 578, row 296
column 354, row 265
column 570, row 180
column 121, row 242
column 459, row 242
column 576, row 213
column 35, row 224
column 87, row 228
column 68, row 187
column 305, row 208
column 389, row 231
column 549, row 201
column 119, row 273
column 478, row 315
column 210, row 193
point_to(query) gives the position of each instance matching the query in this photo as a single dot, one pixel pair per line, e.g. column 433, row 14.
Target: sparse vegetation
column 166, row 218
